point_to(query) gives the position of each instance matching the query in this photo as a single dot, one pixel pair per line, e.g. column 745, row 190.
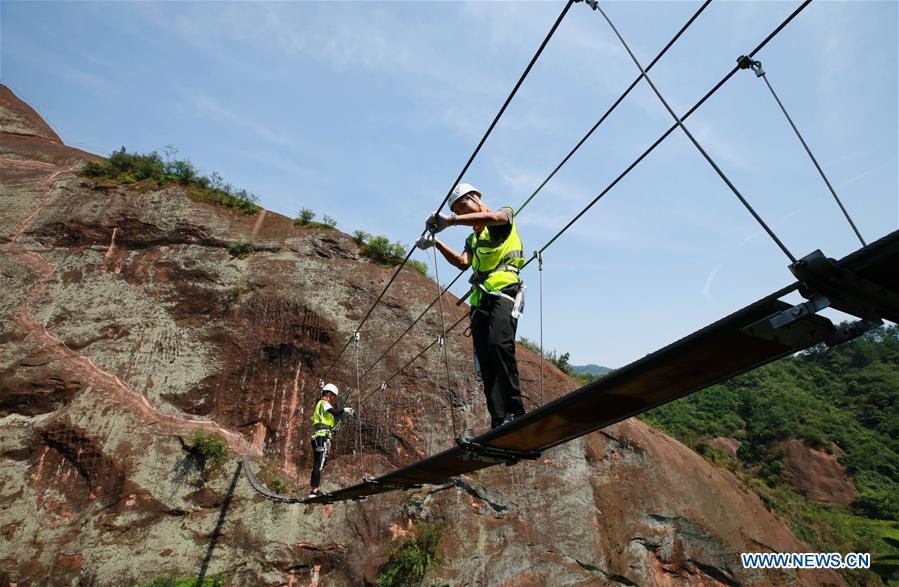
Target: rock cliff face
column 126, row 325
column 817, row 474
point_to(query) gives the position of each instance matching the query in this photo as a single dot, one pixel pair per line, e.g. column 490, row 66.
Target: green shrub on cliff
column 240, row 249
column 419, row 266
column 208, row 449
column 380, row 250
column 411, row 556
column 278, row 485
column 306, row 219
column 133, row 167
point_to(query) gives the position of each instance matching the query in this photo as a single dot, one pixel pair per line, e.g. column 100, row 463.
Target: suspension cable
column 358, row 406
column 442, row 344
column 539, row 256
column 450, row 395
column 384, row 385
column 565, row 160
column 464, row 170
column 508, row 100
column 626, row 171
column 756, row 67
column 690, row 136
column 614, row 106
column 370, row 309
column 437, row 375
column 414, row 322
column 671, row 129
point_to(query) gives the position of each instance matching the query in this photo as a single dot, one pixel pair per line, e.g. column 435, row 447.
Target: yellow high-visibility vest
column 323, row 421
column 495, row 262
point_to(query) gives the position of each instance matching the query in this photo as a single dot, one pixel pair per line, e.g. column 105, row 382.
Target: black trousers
column 493, row 332
column 320, row 447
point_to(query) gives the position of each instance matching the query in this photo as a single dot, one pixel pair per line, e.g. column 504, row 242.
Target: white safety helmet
column 460, row 191
column 330, row 388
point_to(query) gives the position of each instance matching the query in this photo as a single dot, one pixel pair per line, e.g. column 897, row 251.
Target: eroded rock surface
column 818, row 475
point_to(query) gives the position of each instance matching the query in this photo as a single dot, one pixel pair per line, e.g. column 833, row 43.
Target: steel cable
column 462, row 173
column 756, row 67
column 690, row 136
column 442, row 344
column 626, row 171
column 671, row 129
column 565, row 160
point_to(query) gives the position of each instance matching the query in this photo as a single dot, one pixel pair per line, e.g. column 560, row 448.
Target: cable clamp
column 846, row 332
column 594, row 4
column 492, row 454
column 441, row 342
column 356, row 336
column 745, row 62
column 847, row 291
column 539, row 256
column 384, row 386
column 813, row 306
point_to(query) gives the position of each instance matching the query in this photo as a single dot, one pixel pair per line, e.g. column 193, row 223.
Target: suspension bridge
column 864, row 284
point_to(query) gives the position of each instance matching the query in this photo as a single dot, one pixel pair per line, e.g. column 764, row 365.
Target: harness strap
column 478, row 278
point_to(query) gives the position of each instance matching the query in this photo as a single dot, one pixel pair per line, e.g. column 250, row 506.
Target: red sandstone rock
column 817, row 474
column 728, row 445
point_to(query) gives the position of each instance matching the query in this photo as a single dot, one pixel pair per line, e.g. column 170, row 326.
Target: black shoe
column 314, row 493
column 507, row 419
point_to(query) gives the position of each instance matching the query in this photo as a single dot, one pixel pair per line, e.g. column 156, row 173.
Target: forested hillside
column 840, row 401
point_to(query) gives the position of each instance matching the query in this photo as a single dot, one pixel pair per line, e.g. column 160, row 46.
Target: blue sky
column 366, row 111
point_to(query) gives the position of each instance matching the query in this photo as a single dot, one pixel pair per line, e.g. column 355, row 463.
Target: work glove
column 425, row 242
column 437, row 222
column 348, row 411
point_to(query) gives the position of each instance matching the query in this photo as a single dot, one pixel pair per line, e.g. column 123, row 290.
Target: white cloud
column 91, row 80
column 211, row 107
column 719, row 146
column 864, row 174
column 282, row 163
column 522, row 184
column 98, row 60
column 58, row 65
column 707, row 287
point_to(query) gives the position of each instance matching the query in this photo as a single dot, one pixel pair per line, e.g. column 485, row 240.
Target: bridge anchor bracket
column 392, row 486
column 491, row 454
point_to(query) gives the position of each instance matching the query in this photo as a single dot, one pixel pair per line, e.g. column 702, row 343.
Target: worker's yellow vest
column 491, row 259
column 322, row 421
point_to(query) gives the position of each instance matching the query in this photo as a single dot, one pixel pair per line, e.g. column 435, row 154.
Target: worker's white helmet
column 330, row 388
column 460, row 191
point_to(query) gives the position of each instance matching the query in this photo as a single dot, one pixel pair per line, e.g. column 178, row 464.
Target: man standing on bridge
column 324, row 420
column 495, row 254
